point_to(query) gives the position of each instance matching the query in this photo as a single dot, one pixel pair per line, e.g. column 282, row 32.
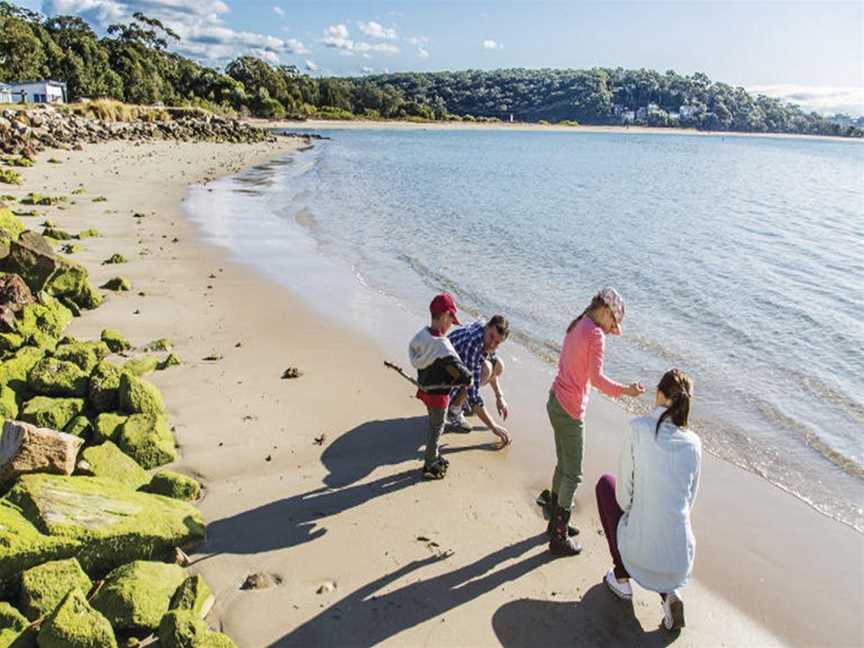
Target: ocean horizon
column 737, row 257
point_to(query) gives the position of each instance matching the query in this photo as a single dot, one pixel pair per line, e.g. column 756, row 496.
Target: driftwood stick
column 401, row 372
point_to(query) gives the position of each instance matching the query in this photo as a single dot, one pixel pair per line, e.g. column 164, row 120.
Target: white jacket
column 658, row 477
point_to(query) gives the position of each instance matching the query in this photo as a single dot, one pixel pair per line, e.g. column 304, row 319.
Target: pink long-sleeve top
column 580, row 366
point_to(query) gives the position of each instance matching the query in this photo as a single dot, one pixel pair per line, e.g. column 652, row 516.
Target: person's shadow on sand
column 351, row 457
column 364, row 618
column 597, row 619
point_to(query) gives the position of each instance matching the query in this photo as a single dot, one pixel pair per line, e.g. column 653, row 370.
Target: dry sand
column 315, row 480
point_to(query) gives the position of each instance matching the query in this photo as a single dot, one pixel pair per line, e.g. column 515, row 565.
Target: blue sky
column 812, row 52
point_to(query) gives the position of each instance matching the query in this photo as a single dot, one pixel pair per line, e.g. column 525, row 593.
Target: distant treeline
column 132, row 63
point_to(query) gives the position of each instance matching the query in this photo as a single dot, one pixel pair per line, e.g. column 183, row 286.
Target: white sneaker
column 673, row 612
column 619, row 589
column 456, row 421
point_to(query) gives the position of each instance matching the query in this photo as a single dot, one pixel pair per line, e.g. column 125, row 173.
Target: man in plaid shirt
column 476, row 345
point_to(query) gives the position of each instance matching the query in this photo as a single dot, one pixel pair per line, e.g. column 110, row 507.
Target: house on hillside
column 43, row 91
column 5, row 94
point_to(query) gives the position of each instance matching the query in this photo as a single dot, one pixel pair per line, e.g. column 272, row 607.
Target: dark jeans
column 436, row 427
column 610, row 513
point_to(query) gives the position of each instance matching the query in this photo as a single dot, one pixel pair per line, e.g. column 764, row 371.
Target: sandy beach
column 328, row 124
column 315, row 482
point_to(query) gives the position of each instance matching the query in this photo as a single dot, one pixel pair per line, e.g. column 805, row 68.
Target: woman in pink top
column 579, row 368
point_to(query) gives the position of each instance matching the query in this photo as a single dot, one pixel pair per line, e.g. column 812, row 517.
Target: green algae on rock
column 102, row 525
column 11, row 618
column 53, row 413
column 162, row 344
column 13, row 371
column 89, row 233
column 142, row 365
column 79, row 426
column 70, row 248
column 194, row 596
column 49, row 319
column 44, row 586
column 170, row 360
column 117, row 284
column 10, row 341
column 74, row 624
column 8, row 176
column 84, row 354
column 107, row 427
column 115, row 341
column 136, row 596
column 14, row 630
column 173, row 484
column 57, row 234
column 137, row 396
column 114, row 258
column 183, row 629
column 147, row 439
column 104, row 384
column 8, row 403
column 53, row 377
column 107, row 460
column 10, row 225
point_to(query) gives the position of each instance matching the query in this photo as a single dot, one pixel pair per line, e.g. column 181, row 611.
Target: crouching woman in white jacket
column 646, row 515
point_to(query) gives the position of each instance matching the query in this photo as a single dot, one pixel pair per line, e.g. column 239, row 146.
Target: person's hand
column 501, row 404
column 634, row 389
column 503, row 437
column 460, row 397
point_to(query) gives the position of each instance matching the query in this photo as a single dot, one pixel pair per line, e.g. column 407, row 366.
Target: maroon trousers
column 610, row 513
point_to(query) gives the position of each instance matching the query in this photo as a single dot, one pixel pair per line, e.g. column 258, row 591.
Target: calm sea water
column 740, row 259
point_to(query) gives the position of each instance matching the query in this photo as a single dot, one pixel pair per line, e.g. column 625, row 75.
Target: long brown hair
column 677, row 387
column 596, row 303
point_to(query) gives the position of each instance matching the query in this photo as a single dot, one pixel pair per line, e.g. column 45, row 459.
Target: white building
column 44, row 91
column 5, row 93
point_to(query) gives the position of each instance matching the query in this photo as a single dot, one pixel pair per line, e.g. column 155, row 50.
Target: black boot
column 560, row 544
column 549, row 513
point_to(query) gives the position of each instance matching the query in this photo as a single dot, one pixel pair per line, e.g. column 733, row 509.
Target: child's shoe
column 673, row 612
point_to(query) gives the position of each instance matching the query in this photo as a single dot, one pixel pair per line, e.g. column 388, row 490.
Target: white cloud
column 373, row 29
column 367, row 70
column 279, row 11
column 418, row 40
column 199, row 23
column 491, row 44
column 423, row 52
column 312, row 66
column 339, row 38
column 823, row 99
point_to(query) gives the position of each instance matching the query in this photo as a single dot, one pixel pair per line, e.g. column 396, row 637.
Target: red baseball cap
column 444, row 303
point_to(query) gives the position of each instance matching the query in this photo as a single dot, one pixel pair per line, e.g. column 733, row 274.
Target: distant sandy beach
column 315, row 480
column 325, row 124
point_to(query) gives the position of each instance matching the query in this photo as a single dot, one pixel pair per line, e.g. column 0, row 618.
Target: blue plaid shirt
column 468, row 342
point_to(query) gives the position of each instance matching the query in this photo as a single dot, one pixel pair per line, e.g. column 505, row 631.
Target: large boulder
column 80, row 426
column 14, row 293
column 107, row 460
column 84, row 354
column 193, row 595
column 44, row 586
column 107, row 427
column 8, row 403
column 104, row 385
column 172, row 484
column 137, row 396
column 13, row 371
column 54, row 413
column 14, row 631
column 50, row 318
column 141, row 365
column 103, row 526
column 148, row 440
column 136, row 596
column 53, row 377
column 185, row 629
column 115, row 341
column 74, row 624
column 25, row 448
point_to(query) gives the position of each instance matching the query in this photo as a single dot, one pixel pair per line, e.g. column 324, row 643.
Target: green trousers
column 569, row 444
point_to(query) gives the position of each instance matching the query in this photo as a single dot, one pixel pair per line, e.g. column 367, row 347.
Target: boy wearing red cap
column 439, row 369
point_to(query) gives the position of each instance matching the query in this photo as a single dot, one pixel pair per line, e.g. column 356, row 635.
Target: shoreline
column 356, row 539
column 326, row 124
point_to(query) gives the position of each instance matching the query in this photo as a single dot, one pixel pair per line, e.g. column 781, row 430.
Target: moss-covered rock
column 148, row 440
column 70, row 248
column 44, row 586
column 141, row 365
column 79, row 426
column 172, row 484
column 8, row 403
column 53, row 377
column 107, row 460
column 53, row 413
column 170, row 360
column 114, row 258
column 107, row 427
column 137, row 396
column 118, row 284
column 11, row 618
column 50, row 319
column 90, row 518
column 193, row 596
column 14, row 631
column 8, row 176
column 43, row 341
column 13, row 371
column 116, row 342
column 10, row 225
column 57, row 234
column 71, row 280
column 74, row 624
column 162, row 344
column 11, row 341
column 89, row 233
column 84, row 354
column 104, row 385
column 136, row 596
column 183, row 629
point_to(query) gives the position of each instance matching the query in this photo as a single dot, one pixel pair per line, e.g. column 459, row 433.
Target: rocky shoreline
column 93, row 531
